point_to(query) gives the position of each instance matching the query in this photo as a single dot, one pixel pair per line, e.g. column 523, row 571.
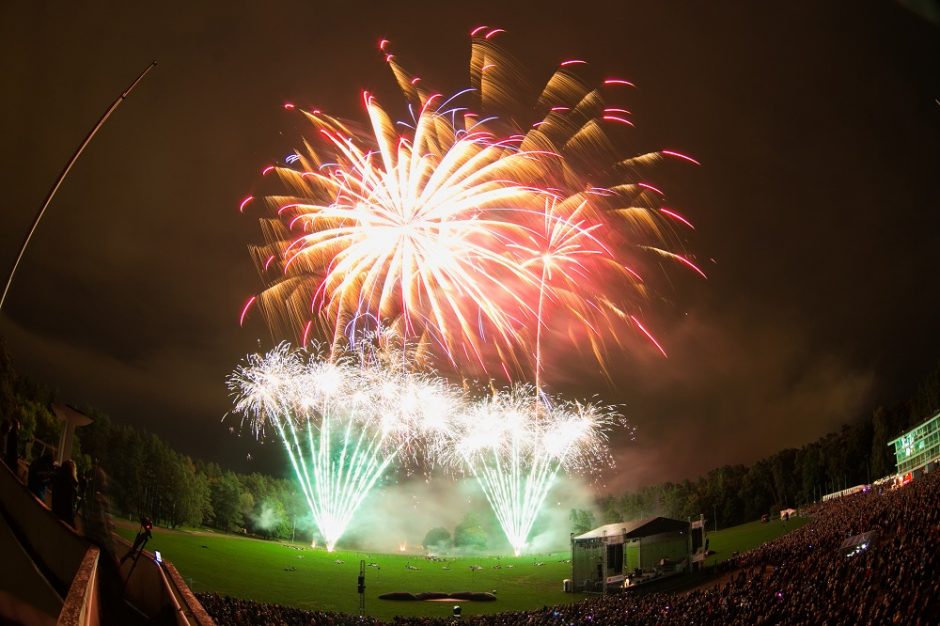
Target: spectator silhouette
column 41, row 471
column 64, row 491
column 4, row 431
column 96, row 515
column 11, row 445
column 98, row 528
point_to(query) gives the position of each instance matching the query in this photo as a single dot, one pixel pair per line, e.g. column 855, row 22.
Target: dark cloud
column 731, row 393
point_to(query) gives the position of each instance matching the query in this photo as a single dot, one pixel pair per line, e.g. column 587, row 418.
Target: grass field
column 747, row 536
column 257, row 570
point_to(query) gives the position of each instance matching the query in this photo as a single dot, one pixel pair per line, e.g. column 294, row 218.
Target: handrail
column 45, row 447
column 181, row 619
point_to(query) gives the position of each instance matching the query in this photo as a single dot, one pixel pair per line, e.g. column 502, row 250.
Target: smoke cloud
column 401, row 514
column 268, row 517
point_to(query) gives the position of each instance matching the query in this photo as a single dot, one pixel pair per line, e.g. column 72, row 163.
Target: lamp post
column 68, row 166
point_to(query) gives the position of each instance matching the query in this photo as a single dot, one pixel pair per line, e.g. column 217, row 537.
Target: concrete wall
column 190, row 605
column 145, row 586
column 71, row 564
column 57, row 547
column 82, row 605
column 157, row 589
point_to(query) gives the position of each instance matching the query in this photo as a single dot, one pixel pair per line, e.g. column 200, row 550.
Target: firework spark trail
column 563, row 247
column 360, row 413
column 431, row 223
column 466, row 226
column 515, row 448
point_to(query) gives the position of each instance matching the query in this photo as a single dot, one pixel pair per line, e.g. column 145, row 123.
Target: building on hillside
column 918, row 450
column 625, row 554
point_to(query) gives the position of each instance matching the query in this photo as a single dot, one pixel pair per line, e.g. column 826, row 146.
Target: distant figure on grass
column 64, row 492
column 41, row 471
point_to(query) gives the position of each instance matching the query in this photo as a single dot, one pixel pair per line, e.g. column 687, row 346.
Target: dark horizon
column 818, row 129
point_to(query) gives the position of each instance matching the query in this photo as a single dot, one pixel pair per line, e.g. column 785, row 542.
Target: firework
column 484, row 224
column 515, row 448
column 465, row 226
column 342, row 421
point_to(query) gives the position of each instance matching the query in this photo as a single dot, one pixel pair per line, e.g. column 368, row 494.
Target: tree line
column 733, row 494
column 148, row 477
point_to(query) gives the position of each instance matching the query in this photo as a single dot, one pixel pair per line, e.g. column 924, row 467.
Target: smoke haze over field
column 403, row 513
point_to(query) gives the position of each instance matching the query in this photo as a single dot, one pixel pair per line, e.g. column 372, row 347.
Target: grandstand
column 54, row 575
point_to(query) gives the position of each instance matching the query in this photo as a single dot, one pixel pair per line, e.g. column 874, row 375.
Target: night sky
column 817, row 125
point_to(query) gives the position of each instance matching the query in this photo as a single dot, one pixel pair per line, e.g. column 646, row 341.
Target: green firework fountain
column 515, row 447
column 343, row 421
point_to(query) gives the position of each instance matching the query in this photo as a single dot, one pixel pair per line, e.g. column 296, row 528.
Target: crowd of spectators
column 800, row 578
column 42, row 475
column 227, row 610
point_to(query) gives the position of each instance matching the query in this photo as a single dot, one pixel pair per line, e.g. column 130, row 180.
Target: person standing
column 64, row 491
column 40, row 474
column 11, row 448
column 4, row 429
column 96, row 515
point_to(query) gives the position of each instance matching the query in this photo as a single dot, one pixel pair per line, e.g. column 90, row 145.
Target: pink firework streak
column 468, row 225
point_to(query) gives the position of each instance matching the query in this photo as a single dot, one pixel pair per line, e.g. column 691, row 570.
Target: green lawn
column 255, row 569
column 747, row 536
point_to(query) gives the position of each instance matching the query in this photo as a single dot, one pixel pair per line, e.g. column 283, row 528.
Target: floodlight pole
column 65, row 171
column 361, row 588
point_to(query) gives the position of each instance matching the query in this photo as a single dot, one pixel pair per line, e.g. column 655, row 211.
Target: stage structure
column 625, row 554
